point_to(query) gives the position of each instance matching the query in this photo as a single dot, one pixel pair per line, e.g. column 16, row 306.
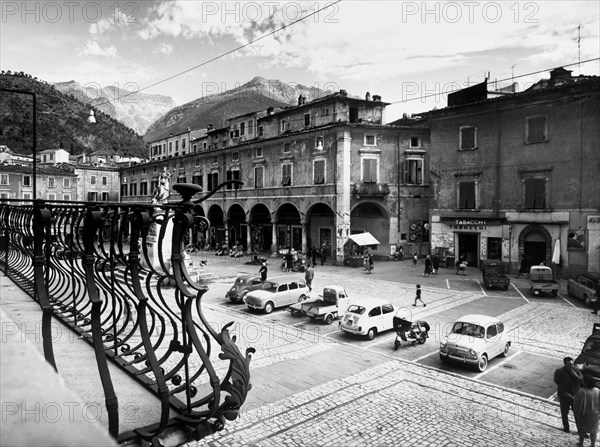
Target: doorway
column 534, row 248
column 468, row 246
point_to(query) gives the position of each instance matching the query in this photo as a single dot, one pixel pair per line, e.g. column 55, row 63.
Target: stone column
column 343, row 194
column 304, row 237
column 249, row 236
column 274, row 243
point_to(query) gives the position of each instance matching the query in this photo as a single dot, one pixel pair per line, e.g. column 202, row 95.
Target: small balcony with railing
column 372, row 190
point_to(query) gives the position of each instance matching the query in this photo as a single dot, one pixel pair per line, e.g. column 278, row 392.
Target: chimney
column 368, row 97
column 376, row 98
column 301, row 99
column 209, row 127
column 560, row 75
column 343, row 92
column 270, row 111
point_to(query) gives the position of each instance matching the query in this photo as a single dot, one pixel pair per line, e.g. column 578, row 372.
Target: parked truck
column 329, row 306
column 541, row 280
column 493, row 275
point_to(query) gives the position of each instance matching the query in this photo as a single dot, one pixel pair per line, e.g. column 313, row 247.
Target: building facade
column 517, row 178
column 313, row 174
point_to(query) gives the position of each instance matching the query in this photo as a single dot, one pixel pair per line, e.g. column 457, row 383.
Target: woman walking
column 586, row 407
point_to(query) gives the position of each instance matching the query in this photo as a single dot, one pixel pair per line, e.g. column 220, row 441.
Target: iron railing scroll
column 104, row 270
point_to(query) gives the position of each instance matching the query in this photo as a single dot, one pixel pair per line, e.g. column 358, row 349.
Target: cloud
column 165, row 48
column 92, row 48
column 117, row 19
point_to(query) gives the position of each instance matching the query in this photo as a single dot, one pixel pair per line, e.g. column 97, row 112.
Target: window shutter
column 539, row 194
column 467, row 195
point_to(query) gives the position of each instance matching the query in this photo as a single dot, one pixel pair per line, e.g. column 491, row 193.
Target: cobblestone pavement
column 395, row 402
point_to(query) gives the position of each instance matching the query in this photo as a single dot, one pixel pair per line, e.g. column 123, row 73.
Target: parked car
column 332, row 303
column 368, row 317
column 475, row 340
column 589, row 358
column 584, row 287
column 277, row 292
column 493, row 275
column 242, row 285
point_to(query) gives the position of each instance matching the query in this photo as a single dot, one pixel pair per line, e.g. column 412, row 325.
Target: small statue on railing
column 161, row 193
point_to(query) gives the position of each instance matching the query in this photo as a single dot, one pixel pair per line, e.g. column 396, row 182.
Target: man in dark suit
column 568, row 380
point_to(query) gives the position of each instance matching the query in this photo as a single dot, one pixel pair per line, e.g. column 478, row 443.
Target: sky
column 409, row 53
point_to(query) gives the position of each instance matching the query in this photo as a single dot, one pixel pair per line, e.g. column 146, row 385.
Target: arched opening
column 289, row 228
column 320, row 220
column 261, row 228
column 535, row 243
column 217, row 226
column 238, row 229
column 371, row 217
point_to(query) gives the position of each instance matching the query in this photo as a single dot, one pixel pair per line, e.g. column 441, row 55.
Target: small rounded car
column 242, row 285
column 589, row 359
column 277, row 292
column 368, row 317
column 475, row 340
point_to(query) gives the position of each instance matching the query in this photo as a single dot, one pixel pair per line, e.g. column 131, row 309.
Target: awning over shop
column 363, row 239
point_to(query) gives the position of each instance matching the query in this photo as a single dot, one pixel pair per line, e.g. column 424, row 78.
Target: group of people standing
column 578, row 391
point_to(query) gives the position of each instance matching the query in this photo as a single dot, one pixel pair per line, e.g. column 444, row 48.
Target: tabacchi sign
column 469, row 224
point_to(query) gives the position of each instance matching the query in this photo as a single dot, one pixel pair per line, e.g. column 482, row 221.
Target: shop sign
column 469, row 224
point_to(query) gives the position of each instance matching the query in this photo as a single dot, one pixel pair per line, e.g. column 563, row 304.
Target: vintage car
column 493, row 275
column 474, row 340
column 242, row 285
column 330, row 305
column 589, row 359
column 277, row 292
column 584, row 287
column 368, row 317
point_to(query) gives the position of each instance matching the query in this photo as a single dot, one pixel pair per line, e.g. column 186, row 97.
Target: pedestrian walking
column 586, row 408
column 323, row 254
column 597, row 302
column 263, row 272
column 428, row 266
column 568, row 380
column 418, row 297
column 289, row 260
column 313, row 255
column 415, row 259
column 308, row 276
column 435, row 261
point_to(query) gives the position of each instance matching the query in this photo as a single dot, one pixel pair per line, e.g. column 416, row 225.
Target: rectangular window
column 26, row 180
column 215, row 159
column 4, row 179
column 468, row 137
column 213, row 181
column 370, row 140
column 66, row 182
column 197, row 162
column 51, row 196
column 242, row 129
column 282, row 126
column 105, row 180
column 261, row 131
column 197, row 180
column 319, row 172
column 123, row 190
column 235, row 156
column 250, row 128
column 307, row 119
column 415, row 142
column 287, row 148
column 176, row 145
column 182, row 144
column 105, row 197
column 535, row 193
column 233, row 175
column 182, row 179
column 466, row 195
column 51, row 182
column 258, row 177
column 66, row 197
column 93, row 179
column 535, row 129
column 143, row 189
column 413, row 171
column 92, row 196
column 258, row 152
column 369, row 170
column 319, row 143
column 286, row 175
column 133, row 189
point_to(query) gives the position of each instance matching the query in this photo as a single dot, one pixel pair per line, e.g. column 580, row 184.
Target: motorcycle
column 410, row 332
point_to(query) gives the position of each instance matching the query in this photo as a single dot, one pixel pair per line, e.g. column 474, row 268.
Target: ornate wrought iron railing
column 102, row 270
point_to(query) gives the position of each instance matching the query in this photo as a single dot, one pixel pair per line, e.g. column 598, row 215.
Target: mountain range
column 257, row 94
column 134, row 109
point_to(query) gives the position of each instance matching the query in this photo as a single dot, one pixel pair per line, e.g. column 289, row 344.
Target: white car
column 474, row 340
column 368, row 317
column 277, row 292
